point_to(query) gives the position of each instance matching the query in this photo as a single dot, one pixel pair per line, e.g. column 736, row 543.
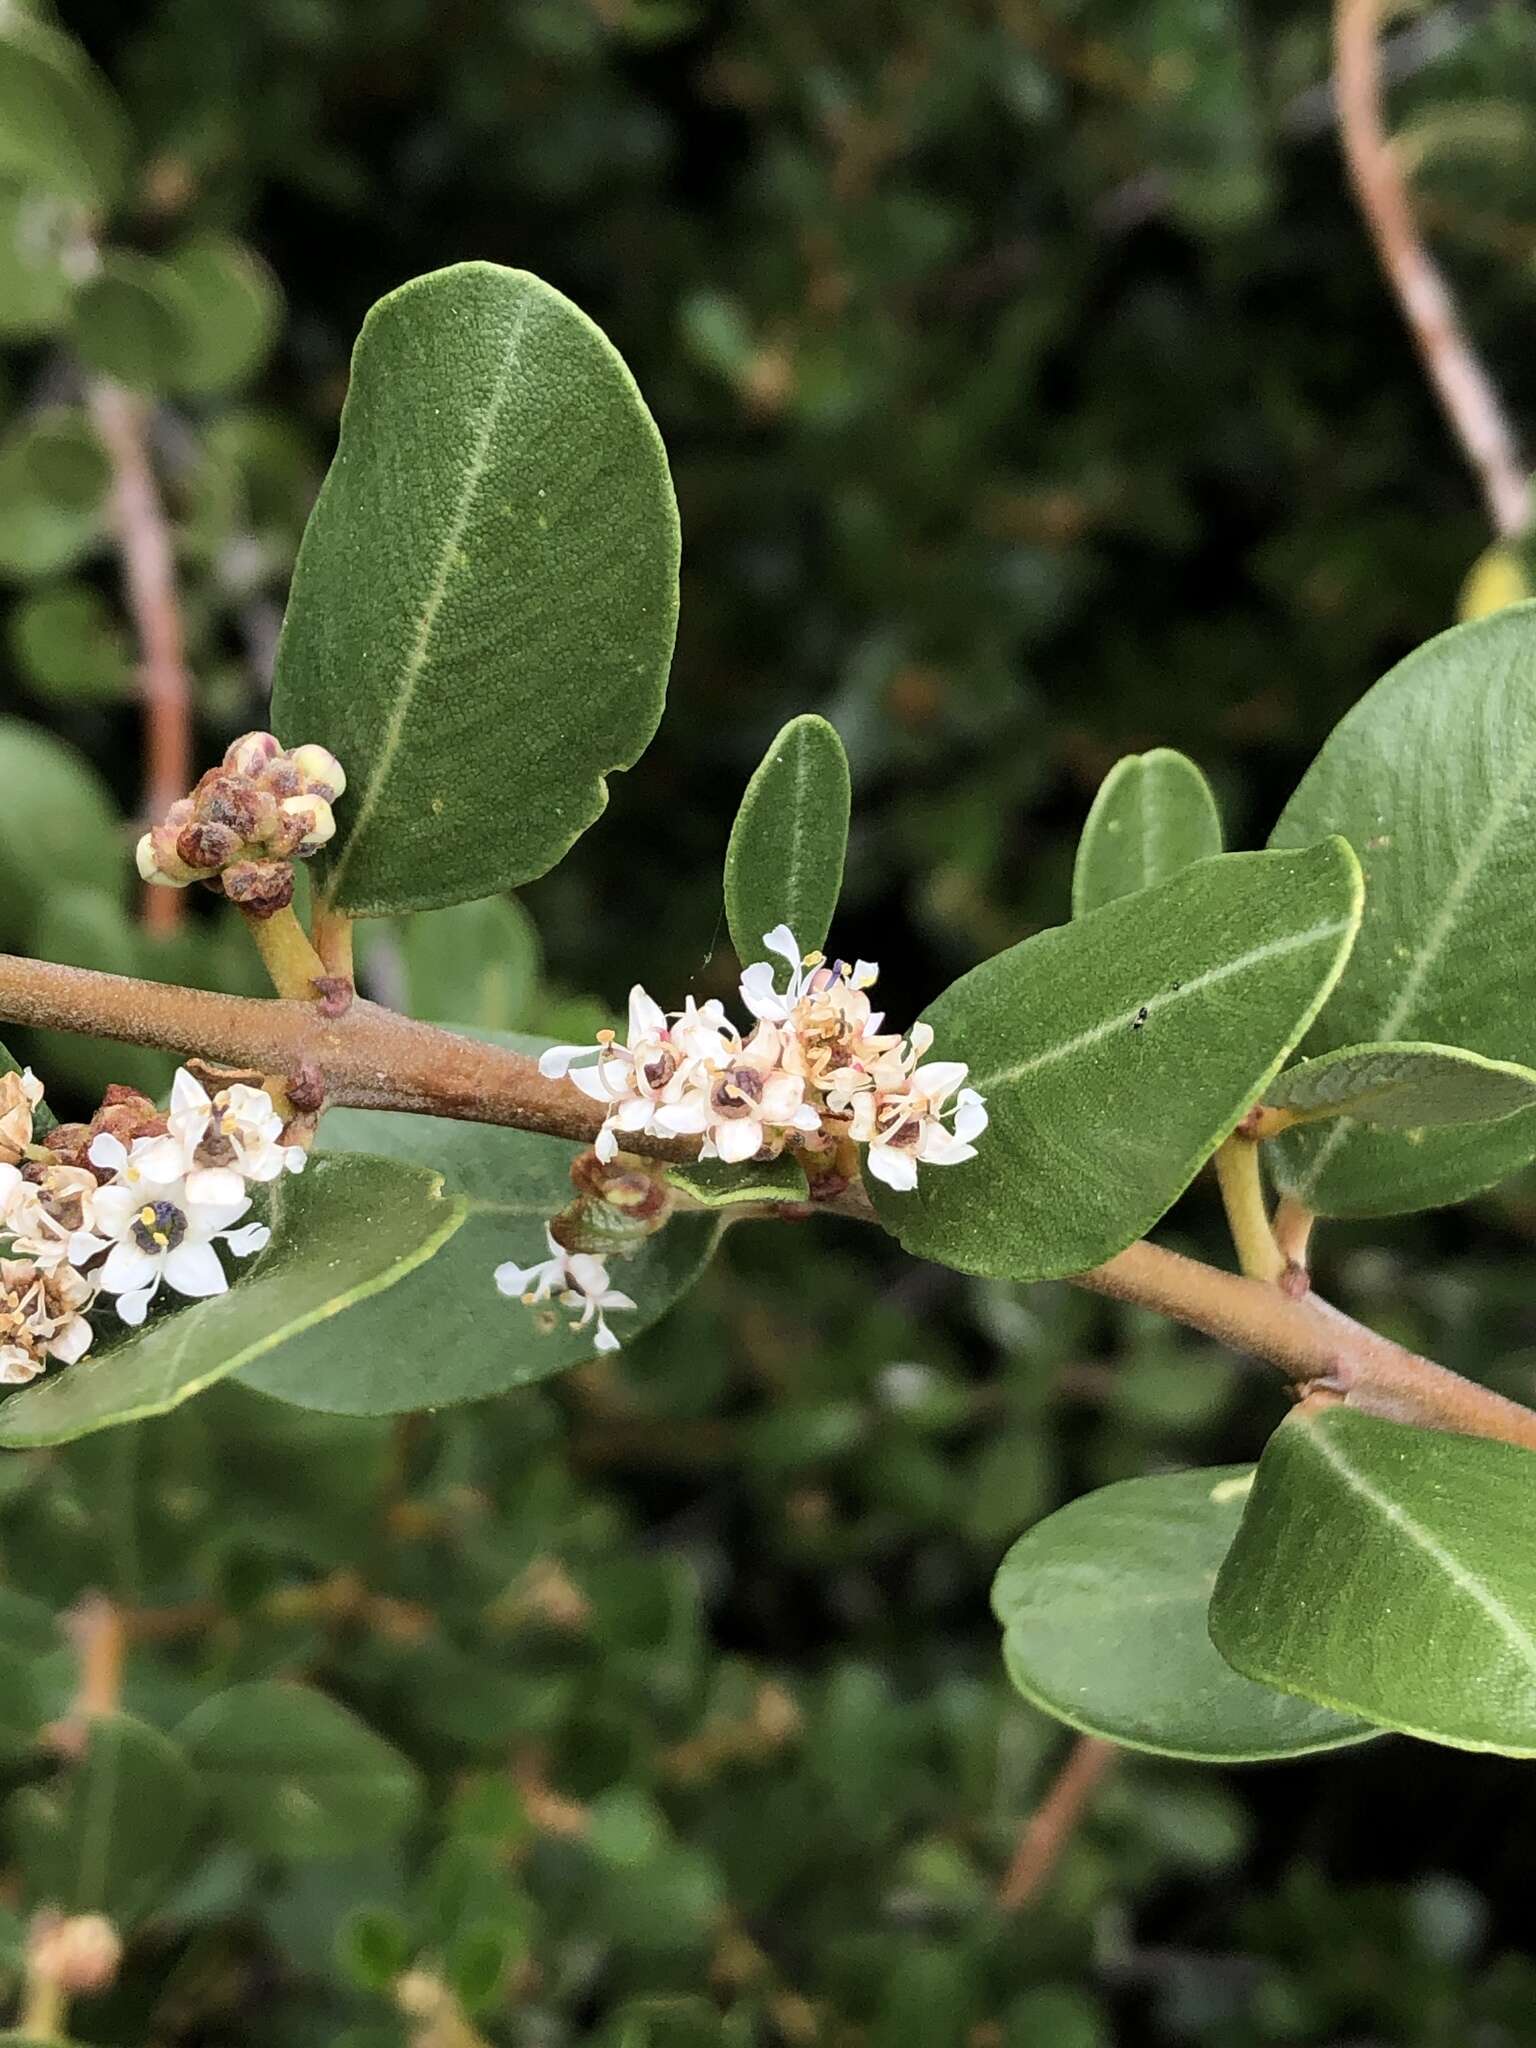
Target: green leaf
column 373, row 1947
column 486, row 596
column 230, row 307
column 1403, row 1087
column 70, row 646
column 1103, row 1607
column 784, row 864
column 46, row 524
column 1154, row 814
column 447, row 1335
column 21, row 1707
column 35, row 286
column 718, row 1185
column 1389, row 1572
column 295, row 1775
column 61, row 129
column 58, row 825
column 1432, row 778
column 1116, row 1052
column 130, row 323
column 471, row 964
column 343, row 1230
column 108, row 1834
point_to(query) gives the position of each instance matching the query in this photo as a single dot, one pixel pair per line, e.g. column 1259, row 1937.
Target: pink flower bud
column 263, row 887
column 250, row 754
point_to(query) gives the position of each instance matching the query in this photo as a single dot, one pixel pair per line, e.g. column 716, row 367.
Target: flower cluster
column 816, row 1071
column 577, row 1280
column 246, row 822
column 131, row 1202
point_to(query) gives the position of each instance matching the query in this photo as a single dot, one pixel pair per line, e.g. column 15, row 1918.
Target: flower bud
column 81, row 1954
column 322, row 773
column 233, row 800
column 158, row 860
column 251, row 753
column 207, row 847
column 19, row 1096
column 263, row 887
column 314, row 820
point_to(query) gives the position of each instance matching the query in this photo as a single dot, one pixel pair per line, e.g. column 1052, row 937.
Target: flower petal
column 555, row 1060
column 132, row 1308
column 897, row 1169
column 737, row 1142
column 107, row 1151
column 255, row 1237
column 128, row 1269
column 193, row 1269
column 647, row 1019
column 216, row 1186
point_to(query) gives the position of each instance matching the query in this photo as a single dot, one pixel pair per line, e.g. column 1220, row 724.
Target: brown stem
column 1464, row 389
column 374, row 1059
column 1054, row 1822
column 149, row 588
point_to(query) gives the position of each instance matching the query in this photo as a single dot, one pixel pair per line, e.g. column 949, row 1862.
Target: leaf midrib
column 1463, row 1580
column 415, row 663
column 1396, row 1015
column 1292, row 942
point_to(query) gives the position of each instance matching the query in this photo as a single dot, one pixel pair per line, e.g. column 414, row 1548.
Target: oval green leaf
column 343, row 1230
column 61, row 129
column 58, row 826
column 35, row 285
column 784, row 864
column 1116, row 1052
column 230, row 307
column 1103, row 1607
column 1432, row 777
column 446, row 1334
column 1403, row 1087
column 295, row 1775
column 108, row 1833
column 1389, row 1572
column 486, row 595
column 130, row 323
column 1154, row 815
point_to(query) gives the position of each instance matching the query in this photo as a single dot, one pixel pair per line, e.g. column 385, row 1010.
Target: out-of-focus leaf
column 61, row 128
column 295, row 1775
column 229, row 305
column 130, row 323
column 58, row 826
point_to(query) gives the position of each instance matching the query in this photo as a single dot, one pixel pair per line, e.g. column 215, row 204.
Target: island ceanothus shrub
column 478, row 638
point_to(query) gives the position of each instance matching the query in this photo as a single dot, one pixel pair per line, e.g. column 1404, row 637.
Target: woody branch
column 374, row 1059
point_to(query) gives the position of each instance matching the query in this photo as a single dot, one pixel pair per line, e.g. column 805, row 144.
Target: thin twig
column 1463, row 386
column 149, row 589
column 375, row 1059
column 1242, row 1194
column 1054, row 1822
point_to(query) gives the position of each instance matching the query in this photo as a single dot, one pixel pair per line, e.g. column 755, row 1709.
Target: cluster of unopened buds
column 135, row 1200
column 816, row 1075
column 246, row 822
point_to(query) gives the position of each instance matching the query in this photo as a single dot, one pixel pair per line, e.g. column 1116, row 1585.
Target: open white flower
column 748, row 1105
column 655, row 1071
column 900, row 1117
column 163, row 1229
column 42, row 1316
column 577, row 1280
column 51, row 1220
column 236, row 1132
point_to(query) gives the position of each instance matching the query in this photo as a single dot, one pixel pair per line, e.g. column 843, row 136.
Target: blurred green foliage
column 1032, row 397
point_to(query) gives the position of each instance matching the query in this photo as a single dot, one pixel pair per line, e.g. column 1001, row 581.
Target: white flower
column 237, row 1132
column 809, row 974
column 900, row 1116
column 577, row 1280
column 51, row 1220
column 163, row 1227
column 656, row 1071
column 42, row 1316
column 746, row 1106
